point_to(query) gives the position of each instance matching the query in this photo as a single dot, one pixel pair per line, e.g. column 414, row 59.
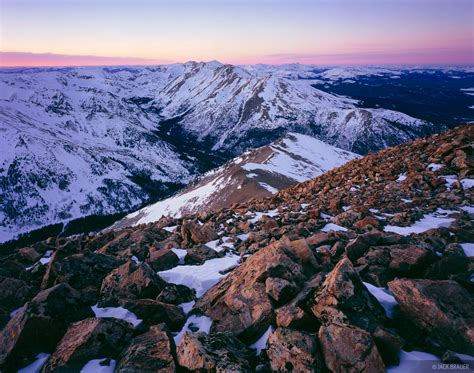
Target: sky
column 322, row 32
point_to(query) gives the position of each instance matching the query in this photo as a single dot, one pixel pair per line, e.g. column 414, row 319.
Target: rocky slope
column 365, row 267
column 83, row 141
column 256, row 173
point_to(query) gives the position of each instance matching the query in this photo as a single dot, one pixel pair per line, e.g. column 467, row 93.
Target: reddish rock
column 39, row 325
column 14, row 293
column 149, row 352
column 292, row 350
column 343, row 298
column 220, row 352
column 29, row 254
column 130, row 281
column 408, row 259
column 349, row 349
column 442, row 308
column 368, row 223
column 161, row 260
column 280, row 290
column 239, row 303
column 199, row 254
column 292, row 316
column 89, row 339
column 192, row 232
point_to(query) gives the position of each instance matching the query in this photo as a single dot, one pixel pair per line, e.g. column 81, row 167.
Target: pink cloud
column 17, row 59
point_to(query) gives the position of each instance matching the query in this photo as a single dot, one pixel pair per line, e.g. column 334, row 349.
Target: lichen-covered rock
column 347, row 348
column 442, row 308
column 150, row 352
column 130, row 281
column 220, row 352
column 39, row 325
column 89, row 339
column 292, row 350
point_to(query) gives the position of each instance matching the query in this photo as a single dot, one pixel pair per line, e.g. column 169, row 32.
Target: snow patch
column 385, row 298
column 35, row 366
column 261, row 343
column 202, row 323
column 96, row 366
column 116, row 313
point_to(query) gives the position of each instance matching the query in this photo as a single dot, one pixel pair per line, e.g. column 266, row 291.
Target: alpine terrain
column 367, row 267
column 256, row 173
column 78, row 142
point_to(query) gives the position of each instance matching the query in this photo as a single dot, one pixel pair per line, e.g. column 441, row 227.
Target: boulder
column 13, row 293
column 199, row 254
column 192, row 232
column 161, row 260
column 220, row 352
column 176, row 294
column 154, row 312
column 292, row 350
column 29, row 254
column 39, row 325
column 89, row 339
column 409, row 259
column 280, row 290
column 130, row 281
column 149, row 353
column 442, row 308
column 343, row 298
column 347, row 348
column 239, row 303
column 81, row 271
column 292, row 316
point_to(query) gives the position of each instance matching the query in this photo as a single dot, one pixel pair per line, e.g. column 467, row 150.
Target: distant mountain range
column 82, row 141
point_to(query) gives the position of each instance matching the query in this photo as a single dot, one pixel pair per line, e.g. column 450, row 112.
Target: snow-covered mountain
column 82, row 141
column 257, row 173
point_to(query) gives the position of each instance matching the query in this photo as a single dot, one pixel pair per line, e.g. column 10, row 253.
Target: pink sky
column 324, row 32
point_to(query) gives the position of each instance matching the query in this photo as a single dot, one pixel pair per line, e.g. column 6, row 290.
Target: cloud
column 17, row 59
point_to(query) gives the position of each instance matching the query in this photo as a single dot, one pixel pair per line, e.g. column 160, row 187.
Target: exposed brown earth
column 299, row 275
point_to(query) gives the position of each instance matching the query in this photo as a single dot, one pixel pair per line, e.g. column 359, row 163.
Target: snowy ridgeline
column 295, row 158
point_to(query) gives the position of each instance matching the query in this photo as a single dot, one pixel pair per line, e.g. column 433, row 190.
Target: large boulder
column 14, row 293
column 154, row 312
column 39, row 325
column 220, row 352
column 240, row 302
column 83, row 271
column 130, row 281
column 199, row 254
column 292, row 350
column 89, row 339
column 343, row 298
column 193, row 232
column 149, row 353
column 347, row 348
column 442, row 308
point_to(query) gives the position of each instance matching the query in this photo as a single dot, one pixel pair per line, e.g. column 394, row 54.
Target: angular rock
column 280, row 290
column 292, row 350
column 130, row 281
column 239, row 303
column 176, row 294
column 149, row 353
column 292, row 316
column 39, row 325
column 442, row 308
column 343, row 298
column 154, row 312
column 192, row 232
column 13, row 292
column 161, row 260
column 349, row 349
column 81, row 271
column 220, row 352
column 409, row 259
column 199, row 254
column 89, row 339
